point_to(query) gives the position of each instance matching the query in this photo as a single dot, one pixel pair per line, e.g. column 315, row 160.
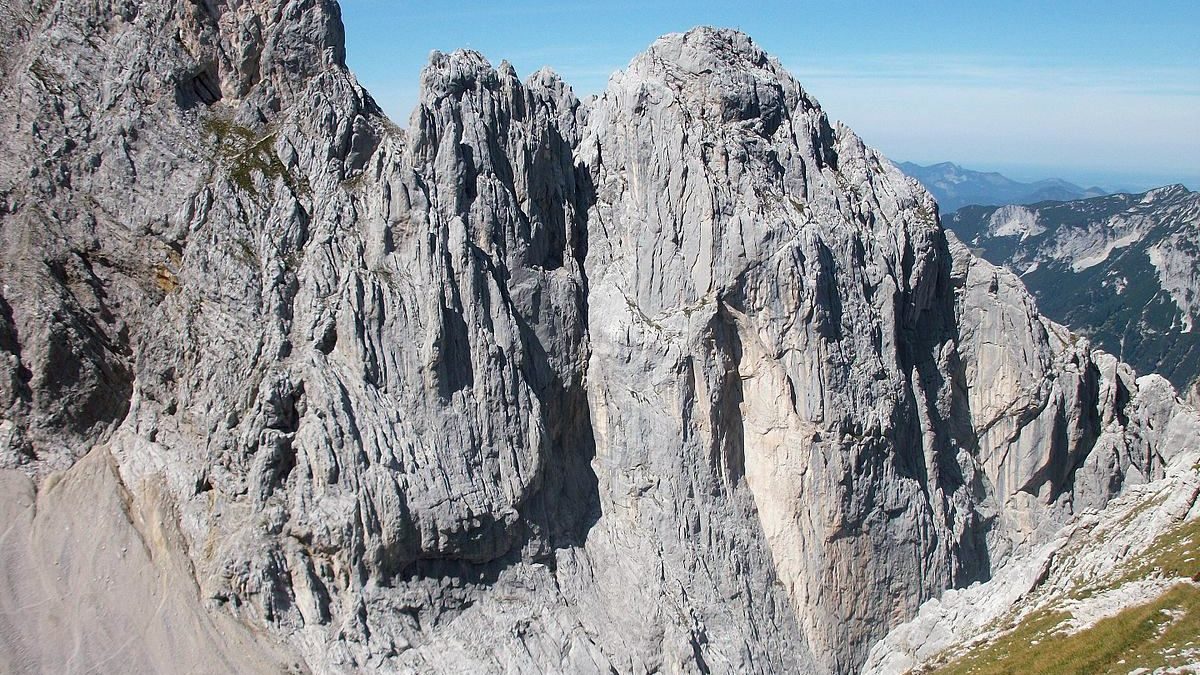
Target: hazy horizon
column 1114, row 181
column 1106, row 96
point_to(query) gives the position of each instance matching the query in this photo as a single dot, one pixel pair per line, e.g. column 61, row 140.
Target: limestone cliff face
column 1137, row 552
column 683, row 379
column 769, row 294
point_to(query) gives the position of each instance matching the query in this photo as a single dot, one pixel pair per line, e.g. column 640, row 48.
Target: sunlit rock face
column 684, row 378
column 1122, row 269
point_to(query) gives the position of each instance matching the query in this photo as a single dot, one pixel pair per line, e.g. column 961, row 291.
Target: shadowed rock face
column 683, row 379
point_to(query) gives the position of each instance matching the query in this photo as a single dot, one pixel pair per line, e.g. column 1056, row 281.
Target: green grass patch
column 1176, row 553
column 245, row 155
column 1146, row 636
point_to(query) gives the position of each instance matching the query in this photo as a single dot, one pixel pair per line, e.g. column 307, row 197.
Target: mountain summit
column 683, row 379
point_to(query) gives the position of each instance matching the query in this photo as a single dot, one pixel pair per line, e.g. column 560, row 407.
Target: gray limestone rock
column 1094, row 567
column 685, row 379
column 96, row 579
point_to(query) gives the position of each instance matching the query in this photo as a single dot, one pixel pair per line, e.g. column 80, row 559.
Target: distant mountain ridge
column 1123, row 268
column 955, row 187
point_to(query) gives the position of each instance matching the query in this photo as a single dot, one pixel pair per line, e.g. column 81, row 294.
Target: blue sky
column 1096, row 92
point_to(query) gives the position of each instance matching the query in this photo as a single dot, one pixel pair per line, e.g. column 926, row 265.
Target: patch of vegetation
column 231, row 136
column 1135, row 512
column 354, row 182
column 1176, row 553
column 258, row 158
column 246, row 253
column 165, row 279
column 246, row 155
column 1152, row 635
column 845, row 186
column 1031, row 631
column 292, row 261
column 800, row 206
column 925, row 217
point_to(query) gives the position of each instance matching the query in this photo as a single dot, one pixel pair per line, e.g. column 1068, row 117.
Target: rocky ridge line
column 684, row 379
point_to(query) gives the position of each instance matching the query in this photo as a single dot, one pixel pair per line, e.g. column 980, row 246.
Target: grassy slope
column 1162, row 632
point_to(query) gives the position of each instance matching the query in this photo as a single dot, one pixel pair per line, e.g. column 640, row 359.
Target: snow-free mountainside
column 1123, row 269
column 685, row 378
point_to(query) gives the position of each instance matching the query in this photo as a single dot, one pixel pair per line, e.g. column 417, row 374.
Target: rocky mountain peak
column 263, row 50
column 1175, row 190
column 450, row 75
column 682, row 379
column 705, row 48
column 466, row 73
column 722, row 70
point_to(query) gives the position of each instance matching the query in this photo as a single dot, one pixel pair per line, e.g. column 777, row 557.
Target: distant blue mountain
column 955, row 187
